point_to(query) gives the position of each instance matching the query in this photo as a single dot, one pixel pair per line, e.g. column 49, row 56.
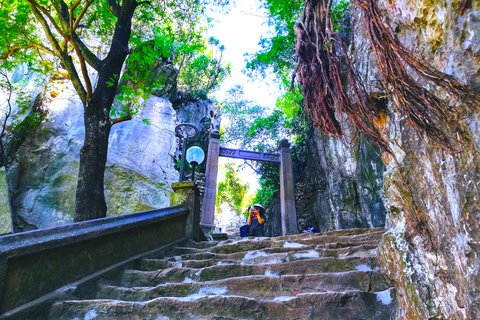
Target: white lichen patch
column 209, row 291
column 188, row 280
column 254, row 254
column 270, row 273
column 284, row 298
column 292, row 245
column 365, row 268
column 384, row 297
column 91, row 314
column 310, row 254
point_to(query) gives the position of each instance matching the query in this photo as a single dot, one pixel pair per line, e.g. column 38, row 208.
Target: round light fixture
column 195, row 154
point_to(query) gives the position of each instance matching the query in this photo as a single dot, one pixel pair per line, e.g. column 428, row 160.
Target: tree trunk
column 90, row 198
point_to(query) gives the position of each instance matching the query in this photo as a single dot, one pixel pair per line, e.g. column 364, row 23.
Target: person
column 256, row 221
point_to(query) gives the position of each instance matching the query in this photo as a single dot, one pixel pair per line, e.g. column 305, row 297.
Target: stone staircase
column 334, row 275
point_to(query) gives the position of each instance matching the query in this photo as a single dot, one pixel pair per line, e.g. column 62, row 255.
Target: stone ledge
column 38, row 240
column 36, row 263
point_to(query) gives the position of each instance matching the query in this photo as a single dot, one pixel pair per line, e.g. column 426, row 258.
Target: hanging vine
column 464, row 4
column 321, row 55
column 323, row 59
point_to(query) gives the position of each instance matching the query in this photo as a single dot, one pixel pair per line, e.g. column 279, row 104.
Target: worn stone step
column 131, row 278
column 255, row 257
column 187, row 250
column 310, row 239
column 156, row 264
column 264, row 287
column 201, row 245
column 343, row 232
column 335, row 251
column 348, row 305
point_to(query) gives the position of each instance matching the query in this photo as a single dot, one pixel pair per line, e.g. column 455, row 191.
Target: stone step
column 262, row 287
column 334, row 275
column 350, row 232
column 347, row 305
column 298, row 242
column 132, row 278
column 342, row 234
column 201, row 245
column 202, row 260
column 255, row 257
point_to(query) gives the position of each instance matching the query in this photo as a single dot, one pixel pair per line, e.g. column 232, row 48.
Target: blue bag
column 244, row 230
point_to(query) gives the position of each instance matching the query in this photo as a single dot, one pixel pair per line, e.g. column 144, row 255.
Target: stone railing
column 40, row 267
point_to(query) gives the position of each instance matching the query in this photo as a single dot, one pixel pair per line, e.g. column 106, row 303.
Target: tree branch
column 88, row 55
column 121, row 119
column 86, row 78
column 464, row 4
column 47, row 14
column 143, row 2
column 62, row 54
column 72, row 9
column 78, row 44
column 46, row 28
column 62, row 11
column 82, row 13
column 77, row 83
column 3, row 156
column 14, row 49
column 114, row 8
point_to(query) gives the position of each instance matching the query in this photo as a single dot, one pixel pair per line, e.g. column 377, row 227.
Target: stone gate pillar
column 208, row 210
column 287, row 194
column 187, row 193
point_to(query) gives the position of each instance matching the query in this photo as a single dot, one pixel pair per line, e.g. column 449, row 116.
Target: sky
column 240, row 31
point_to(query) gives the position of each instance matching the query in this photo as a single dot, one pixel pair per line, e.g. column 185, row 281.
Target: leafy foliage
column 161, row 30
column 278, row 51
column 84, row 37
column 250, row 127
column 233, row 192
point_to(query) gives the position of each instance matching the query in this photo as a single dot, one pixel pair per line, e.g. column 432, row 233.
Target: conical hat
column 262, row 209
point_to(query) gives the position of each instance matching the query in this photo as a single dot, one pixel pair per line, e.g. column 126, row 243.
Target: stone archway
column 287, row 196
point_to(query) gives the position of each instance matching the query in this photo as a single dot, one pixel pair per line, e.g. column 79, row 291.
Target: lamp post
column 185, row 131
column 195, row 156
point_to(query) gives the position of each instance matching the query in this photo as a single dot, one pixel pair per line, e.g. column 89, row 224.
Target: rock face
column 5, row 215
column 342, row 186
column 308, row 276
column 139, row 165
column 431, row 197
column 431, row 248
column 42, row 174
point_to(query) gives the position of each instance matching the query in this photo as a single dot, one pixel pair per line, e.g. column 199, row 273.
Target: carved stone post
column 187, row 193
column 287, row 194
column 210, row 183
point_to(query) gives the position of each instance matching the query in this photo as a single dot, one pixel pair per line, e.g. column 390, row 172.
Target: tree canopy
column 90, row 40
